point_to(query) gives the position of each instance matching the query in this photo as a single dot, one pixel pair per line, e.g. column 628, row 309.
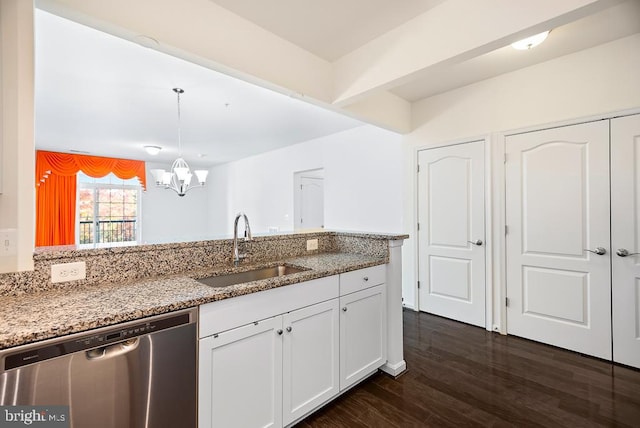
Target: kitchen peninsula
column 124, row 284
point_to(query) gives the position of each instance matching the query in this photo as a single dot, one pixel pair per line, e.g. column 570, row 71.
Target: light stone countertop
column 37, row 316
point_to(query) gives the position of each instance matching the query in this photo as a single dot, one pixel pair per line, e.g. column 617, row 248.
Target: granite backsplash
column 123, row 264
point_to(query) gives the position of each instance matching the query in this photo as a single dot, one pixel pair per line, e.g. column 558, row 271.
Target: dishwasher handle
column 110, row 351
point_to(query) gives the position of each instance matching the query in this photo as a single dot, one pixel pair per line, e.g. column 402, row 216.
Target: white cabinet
column 240, row 377
column 272, row 372
column 270, row 358
column 363, row 334
column 310, row 358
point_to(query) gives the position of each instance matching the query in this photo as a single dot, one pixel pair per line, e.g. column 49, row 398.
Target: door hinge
column 506, row 301
column 418, row 284
column 418, row 226
column 505, row 158
column 418, row 168
column 506, row 229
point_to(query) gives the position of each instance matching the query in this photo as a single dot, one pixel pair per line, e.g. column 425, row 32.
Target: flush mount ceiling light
column 153, row 150
column 530, row 42
column 179, row 178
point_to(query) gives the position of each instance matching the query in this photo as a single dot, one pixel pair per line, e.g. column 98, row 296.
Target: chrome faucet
column 247, row 237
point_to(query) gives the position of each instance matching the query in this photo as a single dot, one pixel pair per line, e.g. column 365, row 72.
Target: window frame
column 95, row 187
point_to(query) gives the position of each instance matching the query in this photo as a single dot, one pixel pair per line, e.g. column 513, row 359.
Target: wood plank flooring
column 460, row 376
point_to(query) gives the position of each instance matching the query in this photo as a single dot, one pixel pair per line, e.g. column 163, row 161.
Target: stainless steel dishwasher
column 131, row 375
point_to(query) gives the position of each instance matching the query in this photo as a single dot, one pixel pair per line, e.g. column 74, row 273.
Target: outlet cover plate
column 312, row 244
column 65, row 272
column 8, row 244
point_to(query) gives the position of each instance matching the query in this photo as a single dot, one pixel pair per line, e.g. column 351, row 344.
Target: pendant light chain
column 179, row 91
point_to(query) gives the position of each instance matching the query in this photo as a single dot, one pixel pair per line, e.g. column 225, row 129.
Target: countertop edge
column 195, row 294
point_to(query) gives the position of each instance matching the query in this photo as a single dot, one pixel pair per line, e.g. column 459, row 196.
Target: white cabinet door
column 625, row 236
column 310, row 358
column 240, row 379
column 363, row 334
column 557, row 201
column 451, row 236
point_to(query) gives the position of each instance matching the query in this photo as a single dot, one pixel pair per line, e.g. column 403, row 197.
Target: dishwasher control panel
column 53, row 348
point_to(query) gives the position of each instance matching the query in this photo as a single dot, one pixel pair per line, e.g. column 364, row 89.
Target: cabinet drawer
column 360, row 279
column 226, row 314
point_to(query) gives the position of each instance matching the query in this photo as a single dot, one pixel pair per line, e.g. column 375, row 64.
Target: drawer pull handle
column 344, row 309
column 289, row 329
column 366, row 278
column 279, row 331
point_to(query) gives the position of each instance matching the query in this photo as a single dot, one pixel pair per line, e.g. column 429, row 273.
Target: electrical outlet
column 312, row 244
column 64, row 272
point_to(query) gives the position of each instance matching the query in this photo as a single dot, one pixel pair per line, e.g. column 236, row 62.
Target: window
column 108, row 211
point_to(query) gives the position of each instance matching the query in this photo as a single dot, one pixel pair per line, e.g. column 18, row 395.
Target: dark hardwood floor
column 461, row 375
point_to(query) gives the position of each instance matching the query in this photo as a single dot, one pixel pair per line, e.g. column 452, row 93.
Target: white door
column 311, row 350
column 311, row 203
column 625, row 238
column 240, row 377
column 363, row 334
column 557, row 215
column 451, row 234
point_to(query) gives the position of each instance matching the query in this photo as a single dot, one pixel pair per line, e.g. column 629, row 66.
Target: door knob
column 623, row 252
column 599, row 251
column 477, row 242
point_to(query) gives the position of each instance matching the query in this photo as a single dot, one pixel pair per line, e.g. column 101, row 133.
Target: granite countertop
column 37, row 316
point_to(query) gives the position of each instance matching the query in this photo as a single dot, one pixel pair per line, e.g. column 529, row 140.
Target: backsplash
column 122, row 264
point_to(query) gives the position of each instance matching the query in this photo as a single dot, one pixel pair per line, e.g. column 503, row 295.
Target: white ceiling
column 108, row 96
column 328, row 28
column 333, row 28
column 610, row 24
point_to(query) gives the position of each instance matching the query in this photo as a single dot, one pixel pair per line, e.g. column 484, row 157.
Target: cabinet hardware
column 599, row 251
column 279, row 331
column 623, row 252
column 344, row 309
column 289, row 329
column 366, row 278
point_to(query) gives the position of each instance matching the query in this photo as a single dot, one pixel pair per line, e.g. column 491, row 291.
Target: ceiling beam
column 200, row 31
column 452, row 32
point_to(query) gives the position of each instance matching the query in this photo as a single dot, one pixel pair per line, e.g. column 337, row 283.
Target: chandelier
column 179, row 177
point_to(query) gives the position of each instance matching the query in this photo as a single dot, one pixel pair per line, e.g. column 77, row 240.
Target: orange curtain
column 56, row 190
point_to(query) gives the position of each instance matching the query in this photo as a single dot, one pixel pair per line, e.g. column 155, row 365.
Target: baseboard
column 394, row 369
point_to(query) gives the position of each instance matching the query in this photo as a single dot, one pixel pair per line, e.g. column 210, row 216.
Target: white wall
column 363, row 183
column 17, row 200
column 595, row 81
column 220, row 217
column 167, row 217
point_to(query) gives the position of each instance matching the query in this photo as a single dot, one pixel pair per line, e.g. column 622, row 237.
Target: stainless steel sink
column 248, row 276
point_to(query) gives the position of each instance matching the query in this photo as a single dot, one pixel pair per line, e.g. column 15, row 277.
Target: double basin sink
column 248, row 276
